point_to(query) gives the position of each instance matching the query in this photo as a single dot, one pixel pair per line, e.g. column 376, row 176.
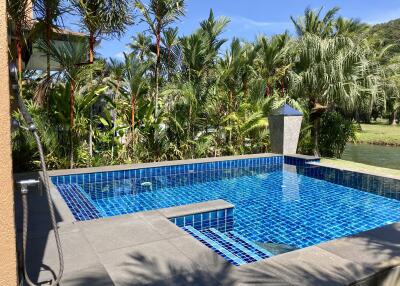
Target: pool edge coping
column 67, row 215
column 195, row 208
column 327, row 165
column 272, row 262
column 76, row 171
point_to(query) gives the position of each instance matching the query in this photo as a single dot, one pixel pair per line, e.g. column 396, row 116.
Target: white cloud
column 119, row 55
column 256, row 24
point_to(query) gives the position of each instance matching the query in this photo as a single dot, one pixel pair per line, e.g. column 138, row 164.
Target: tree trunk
column 231, row 105
column 72, row 104
column 267, row 90
column 315, row 120
column 169, row 63
column 245, row 87
column 315, row 135
column 91, row 47
column 71, row 151
column 71, row 123
column 393, row 117
column 19, row 61
column 19, row 65
column 133, row 105
column 90, row 143
column 48, row 38
column 91, row 60
column 157, row 75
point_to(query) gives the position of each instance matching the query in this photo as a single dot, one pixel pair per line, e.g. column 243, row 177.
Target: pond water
column 376, row 155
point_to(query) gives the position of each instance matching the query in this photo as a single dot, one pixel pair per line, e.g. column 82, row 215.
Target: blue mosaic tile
column 386, row 187
column 81, row 206
column 201, row 221
column 216, row 232
column 273, row 204
column 293, row 160
column 167, row 170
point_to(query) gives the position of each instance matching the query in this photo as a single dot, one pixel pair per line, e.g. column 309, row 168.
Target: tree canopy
column 175, row 96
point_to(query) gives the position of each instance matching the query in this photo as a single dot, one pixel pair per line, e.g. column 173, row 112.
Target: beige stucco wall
column 8, row 267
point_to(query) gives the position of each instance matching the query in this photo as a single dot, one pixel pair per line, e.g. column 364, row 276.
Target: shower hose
column 45, row 178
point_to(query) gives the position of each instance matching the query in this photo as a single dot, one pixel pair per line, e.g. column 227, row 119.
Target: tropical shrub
column 180, row 97
column 336, row 131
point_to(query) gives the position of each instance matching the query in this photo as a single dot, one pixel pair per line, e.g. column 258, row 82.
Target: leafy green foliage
column 336, row 131
column 180, row 97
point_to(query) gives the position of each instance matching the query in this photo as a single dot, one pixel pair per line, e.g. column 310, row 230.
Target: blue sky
column 252, row 17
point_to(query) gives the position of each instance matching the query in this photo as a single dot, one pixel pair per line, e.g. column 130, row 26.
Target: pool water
column 273, row 204
column 280, row 207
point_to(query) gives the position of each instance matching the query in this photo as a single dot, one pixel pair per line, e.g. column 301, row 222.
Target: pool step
column 264, row 253
column 235, row 248
column 217, row 247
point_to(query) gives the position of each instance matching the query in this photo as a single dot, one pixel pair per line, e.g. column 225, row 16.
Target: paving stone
column 122, row 232
column 148, row 263
column 255, row 274
column 378, row 248
column 93, row 276
column 315, row 266
column 164, row 227
column 43, row 261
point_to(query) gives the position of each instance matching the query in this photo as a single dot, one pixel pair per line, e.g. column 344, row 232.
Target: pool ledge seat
column 195, row 208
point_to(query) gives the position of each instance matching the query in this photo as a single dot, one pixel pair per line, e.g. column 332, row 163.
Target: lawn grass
column 379, row 134
column 353, row 166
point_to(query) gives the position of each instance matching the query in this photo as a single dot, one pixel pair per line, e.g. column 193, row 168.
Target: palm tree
column 391, row 86
column 70, row 55
column 246, row 126
column 20, row 14
column 273, row 60
column 116, row 73
column 230, row 68
column 212, row 29
column 116, row 70
column 331, row 73
column 329, row 25
column 170, row 42
column 141, row 45
column 350, row 27
column 134, row 85
column 199, row 55
column 250, row 53
column 48, row 15
column 311, row 22
column 103, row 18
column 195, row 57
column 158, row 15
column 182, row 114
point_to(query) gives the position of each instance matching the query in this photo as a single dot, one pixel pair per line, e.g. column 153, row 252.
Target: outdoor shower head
column 15, row 124
column 17, row 88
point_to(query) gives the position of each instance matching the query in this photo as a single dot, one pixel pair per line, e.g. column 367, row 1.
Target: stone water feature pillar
column 284, row 129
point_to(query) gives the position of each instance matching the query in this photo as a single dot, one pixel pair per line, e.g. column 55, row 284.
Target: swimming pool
column 279, row 202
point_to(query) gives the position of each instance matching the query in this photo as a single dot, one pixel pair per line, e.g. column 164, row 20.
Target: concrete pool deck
column 147, row 249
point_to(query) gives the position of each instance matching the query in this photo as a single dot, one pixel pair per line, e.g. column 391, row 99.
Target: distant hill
column 388, row 32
